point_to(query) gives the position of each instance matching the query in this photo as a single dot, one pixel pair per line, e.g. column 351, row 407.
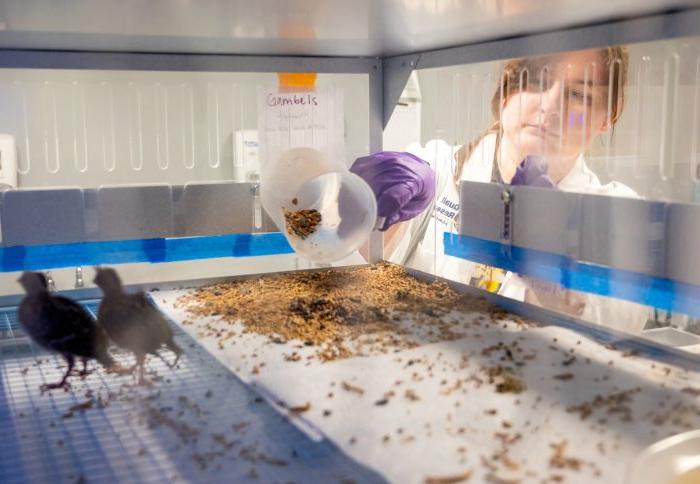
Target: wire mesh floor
column 197, row 422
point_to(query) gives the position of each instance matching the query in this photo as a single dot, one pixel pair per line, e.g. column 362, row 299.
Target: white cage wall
column 89, row 128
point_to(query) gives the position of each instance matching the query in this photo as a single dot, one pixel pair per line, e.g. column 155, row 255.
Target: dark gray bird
column 132, row 321
column 62, row 325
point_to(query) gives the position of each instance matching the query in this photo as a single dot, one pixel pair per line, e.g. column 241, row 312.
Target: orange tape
column 297, row 81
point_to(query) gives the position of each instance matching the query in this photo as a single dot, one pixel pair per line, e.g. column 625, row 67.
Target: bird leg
column 177, row 358
column 169, row 365
column 175, row 349
column 64, row 381
column 84, row 372
column 140, row 362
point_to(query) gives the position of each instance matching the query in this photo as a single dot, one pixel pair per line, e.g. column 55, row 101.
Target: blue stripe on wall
column 644, row 289
column 39, row 257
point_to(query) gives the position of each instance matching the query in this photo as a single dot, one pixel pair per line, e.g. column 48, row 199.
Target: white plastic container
column 303, row 180
column 675, row 460
column 325, row 211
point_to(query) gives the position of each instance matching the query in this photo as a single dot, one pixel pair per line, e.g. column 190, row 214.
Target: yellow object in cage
column 488, row 278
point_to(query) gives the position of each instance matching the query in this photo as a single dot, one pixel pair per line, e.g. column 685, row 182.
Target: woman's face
column 557, row 108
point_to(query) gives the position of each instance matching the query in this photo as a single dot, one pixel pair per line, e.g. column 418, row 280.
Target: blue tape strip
column 53, row 256
column 644, row 289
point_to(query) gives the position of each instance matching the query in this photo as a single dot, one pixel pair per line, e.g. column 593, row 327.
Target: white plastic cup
column 305, row 179
column 674, row 460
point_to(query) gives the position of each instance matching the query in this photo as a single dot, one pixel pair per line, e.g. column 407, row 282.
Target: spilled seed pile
column 302, row 223
column 330, row 309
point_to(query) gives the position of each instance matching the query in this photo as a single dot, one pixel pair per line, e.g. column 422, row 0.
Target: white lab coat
column 429, row 254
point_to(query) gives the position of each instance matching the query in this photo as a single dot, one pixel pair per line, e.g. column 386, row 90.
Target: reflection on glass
column 613, row 121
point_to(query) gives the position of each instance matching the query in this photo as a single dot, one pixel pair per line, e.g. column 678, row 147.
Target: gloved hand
column 403, row 184
column 532, row 172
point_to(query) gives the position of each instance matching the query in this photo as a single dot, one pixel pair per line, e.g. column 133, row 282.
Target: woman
column 547, row 111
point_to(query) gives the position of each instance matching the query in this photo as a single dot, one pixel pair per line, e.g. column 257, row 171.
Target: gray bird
column 61, row 325
column 132, row 321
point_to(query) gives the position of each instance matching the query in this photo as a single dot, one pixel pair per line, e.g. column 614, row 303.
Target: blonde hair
column 616, row 64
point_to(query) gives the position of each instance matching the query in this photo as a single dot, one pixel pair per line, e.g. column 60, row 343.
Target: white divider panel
column 53, row 216
column 624, row 233
column 42, row 216
column 546, row 220
column 137, row 212
column 481, row 210
column 682, row 243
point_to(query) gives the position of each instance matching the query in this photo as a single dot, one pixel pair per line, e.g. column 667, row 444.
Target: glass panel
column 620, row 121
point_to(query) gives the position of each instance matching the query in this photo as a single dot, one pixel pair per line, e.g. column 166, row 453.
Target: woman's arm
column 392, row 238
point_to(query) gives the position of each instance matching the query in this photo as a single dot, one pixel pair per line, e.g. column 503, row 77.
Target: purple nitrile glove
column 403, row 184
column 532, row 172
